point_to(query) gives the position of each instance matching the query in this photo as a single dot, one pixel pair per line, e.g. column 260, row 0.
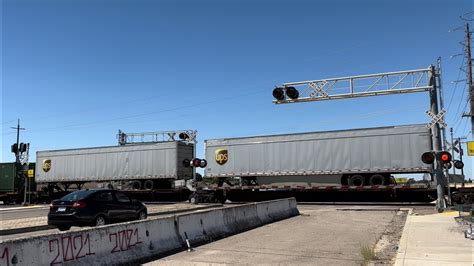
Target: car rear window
column 77, row 195
column 104, row 196
column 122, row 197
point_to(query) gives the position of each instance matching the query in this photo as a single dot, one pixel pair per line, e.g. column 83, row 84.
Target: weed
column 368, row 254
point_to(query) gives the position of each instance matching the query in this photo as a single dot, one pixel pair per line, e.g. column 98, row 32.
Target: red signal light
column 292, row 93
column 428, row 157
column 186, row 163
column 445, row 156
column 279, row 94
column 196, row 162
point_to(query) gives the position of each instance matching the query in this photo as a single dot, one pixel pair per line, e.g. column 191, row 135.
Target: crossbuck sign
column 436, row 119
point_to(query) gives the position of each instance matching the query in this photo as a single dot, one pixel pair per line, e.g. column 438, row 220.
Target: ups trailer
column 355, row 157
column 144, row 166
column 343, row 165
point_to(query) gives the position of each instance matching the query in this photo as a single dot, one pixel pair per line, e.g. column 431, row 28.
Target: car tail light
column 78, row 205
column 51, row 205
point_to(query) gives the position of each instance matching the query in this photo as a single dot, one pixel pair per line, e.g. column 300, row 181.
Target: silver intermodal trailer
column 354, row 157
column 150, row 162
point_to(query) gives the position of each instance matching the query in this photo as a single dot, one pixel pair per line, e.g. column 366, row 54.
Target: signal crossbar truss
column 359, row 86
column 188, row 136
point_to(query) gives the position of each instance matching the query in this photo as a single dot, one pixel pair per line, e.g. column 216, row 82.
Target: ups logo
column 46, row 165
column 221, row 156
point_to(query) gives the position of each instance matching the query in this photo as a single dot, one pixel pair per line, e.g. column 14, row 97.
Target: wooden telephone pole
column 469, row 76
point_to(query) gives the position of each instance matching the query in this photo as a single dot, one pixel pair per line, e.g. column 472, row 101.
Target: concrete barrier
column 136, row 241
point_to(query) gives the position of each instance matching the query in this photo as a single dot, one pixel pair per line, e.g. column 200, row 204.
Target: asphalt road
column 6, row 214
column 18, row 212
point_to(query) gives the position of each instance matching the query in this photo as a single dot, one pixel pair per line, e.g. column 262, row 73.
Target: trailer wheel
column 458, row 198
column 345, row 180
column 377, row 180
column 356, row 180
column 137, row 184
column 148, row 185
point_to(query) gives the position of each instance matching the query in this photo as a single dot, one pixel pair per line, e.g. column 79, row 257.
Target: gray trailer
column 144, row 165
column 355, row 157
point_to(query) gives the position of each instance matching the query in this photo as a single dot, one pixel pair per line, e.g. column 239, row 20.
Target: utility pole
column 469, row 76
column 17, row 153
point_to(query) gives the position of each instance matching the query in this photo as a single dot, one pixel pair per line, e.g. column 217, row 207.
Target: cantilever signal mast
column 411, row 81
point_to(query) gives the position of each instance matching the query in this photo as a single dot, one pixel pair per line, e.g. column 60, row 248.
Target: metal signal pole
column 18, row 128
column 436, row 138
column 469, row 76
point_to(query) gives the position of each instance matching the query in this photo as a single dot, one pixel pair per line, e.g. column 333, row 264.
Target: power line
column 456, row 85
column 217, row 100
column 460, row 118
column 460, row 102
column 95, row 107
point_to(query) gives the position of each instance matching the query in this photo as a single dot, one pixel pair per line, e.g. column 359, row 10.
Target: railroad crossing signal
column 444, row 157
column 436, row 119
column 196, row 162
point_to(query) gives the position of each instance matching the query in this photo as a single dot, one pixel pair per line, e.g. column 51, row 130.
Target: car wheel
column 64, row 227
column 142, row 215
column 99, row 220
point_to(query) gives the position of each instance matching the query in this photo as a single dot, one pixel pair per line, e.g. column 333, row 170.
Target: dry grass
column 368, row 254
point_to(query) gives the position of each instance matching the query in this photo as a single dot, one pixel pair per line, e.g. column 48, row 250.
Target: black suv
column 94, row 207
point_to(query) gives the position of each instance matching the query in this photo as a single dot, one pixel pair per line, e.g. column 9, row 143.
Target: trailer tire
column 458, row 198
column 149, row 184
column 345, row 180
column 377, row 180
column 137, row 184
column 356, row 180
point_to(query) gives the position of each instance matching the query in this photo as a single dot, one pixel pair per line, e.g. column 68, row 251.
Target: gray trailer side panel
column 144, row 161
column 387, row 149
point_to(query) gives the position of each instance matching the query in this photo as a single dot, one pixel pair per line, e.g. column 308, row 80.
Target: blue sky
column 76, row 71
